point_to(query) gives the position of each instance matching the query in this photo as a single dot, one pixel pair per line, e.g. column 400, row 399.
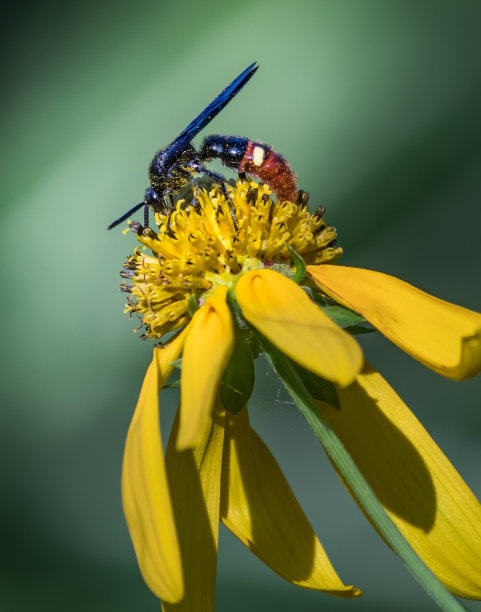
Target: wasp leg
column 146, row 215
column 169, row 230
column 168, row 207
column 168, row 201
column 222, row 182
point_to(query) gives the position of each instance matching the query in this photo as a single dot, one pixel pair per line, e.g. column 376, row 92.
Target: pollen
column 198, row 247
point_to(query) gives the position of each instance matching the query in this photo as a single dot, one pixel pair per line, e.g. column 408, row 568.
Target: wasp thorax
column 167, row 173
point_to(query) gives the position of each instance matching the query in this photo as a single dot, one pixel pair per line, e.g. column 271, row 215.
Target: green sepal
column 243, row 329
column 350, row 321
column 238, row 380
column 299, row 264
column 173, row 385
column 256, row 349
column 356, row 330
column 177, row 363
column 342, row 316
column 192, row 304
column 320, row 389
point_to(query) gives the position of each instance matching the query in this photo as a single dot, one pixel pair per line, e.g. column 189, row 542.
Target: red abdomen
column 261, row 161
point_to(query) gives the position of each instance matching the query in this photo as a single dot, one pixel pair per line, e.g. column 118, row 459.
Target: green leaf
column 238, row 379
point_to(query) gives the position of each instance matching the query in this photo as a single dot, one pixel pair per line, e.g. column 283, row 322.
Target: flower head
column 199, row 248
column 232, row 278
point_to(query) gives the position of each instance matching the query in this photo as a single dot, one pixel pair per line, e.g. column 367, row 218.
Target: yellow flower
column 217, row 283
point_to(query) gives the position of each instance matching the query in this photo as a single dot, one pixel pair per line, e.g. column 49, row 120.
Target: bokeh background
column 377, row 106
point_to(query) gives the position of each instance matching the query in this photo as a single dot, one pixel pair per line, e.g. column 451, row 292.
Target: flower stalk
column 355, row 480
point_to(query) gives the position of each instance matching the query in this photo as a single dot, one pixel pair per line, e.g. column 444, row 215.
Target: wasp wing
column 217, row 104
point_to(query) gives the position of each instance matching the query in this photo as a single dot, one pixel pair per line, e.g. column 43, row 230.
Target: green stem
column 356, row 481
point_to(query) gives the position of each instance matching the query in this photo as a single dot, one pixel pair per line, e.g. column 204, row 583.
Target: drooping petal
column 420, row 489
column 285, row 315
column 195, row 479
column 145, row 493
column 442, row 336
column 206, row 353
column 259, row 507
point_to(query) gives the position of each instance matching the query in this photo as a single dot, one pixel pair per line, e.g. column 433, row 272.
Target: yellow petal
column 259, row 507
column 442, row 336
column 206, row 353
column 145, row 493
column 194, row 479
column 285, row 315
column 422, row 492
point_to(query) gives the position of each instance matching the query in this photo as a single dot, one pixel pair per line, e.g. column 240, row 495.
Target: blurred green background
column 377, row 106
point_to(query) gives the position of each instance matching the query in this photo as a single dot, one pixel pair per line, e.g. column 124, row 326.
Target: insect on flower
column 173, row 166
column 216, row 468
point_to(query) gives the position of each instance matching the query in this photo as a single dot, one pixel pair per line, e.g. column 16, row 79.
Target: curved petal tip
column 441, row 335
column 282, row 312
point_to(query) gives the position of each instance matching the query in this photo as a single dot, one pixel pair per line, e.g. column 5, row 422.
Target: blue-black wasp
column 173, row 166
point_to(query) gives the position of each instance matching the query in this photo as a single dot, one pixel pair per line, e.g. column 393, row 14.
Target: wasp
column 173, row 166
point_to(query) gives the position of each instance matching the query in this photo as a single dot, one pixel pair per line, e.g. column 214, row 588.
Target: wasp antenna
column 126, row 215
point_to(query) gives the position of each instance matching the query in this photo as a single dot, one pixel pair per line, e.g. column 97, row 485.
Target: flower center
column 198, row 247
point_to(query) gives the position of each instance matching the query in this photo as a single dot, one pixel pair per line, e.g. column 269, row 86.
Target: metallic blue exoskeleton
column 174, row 165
